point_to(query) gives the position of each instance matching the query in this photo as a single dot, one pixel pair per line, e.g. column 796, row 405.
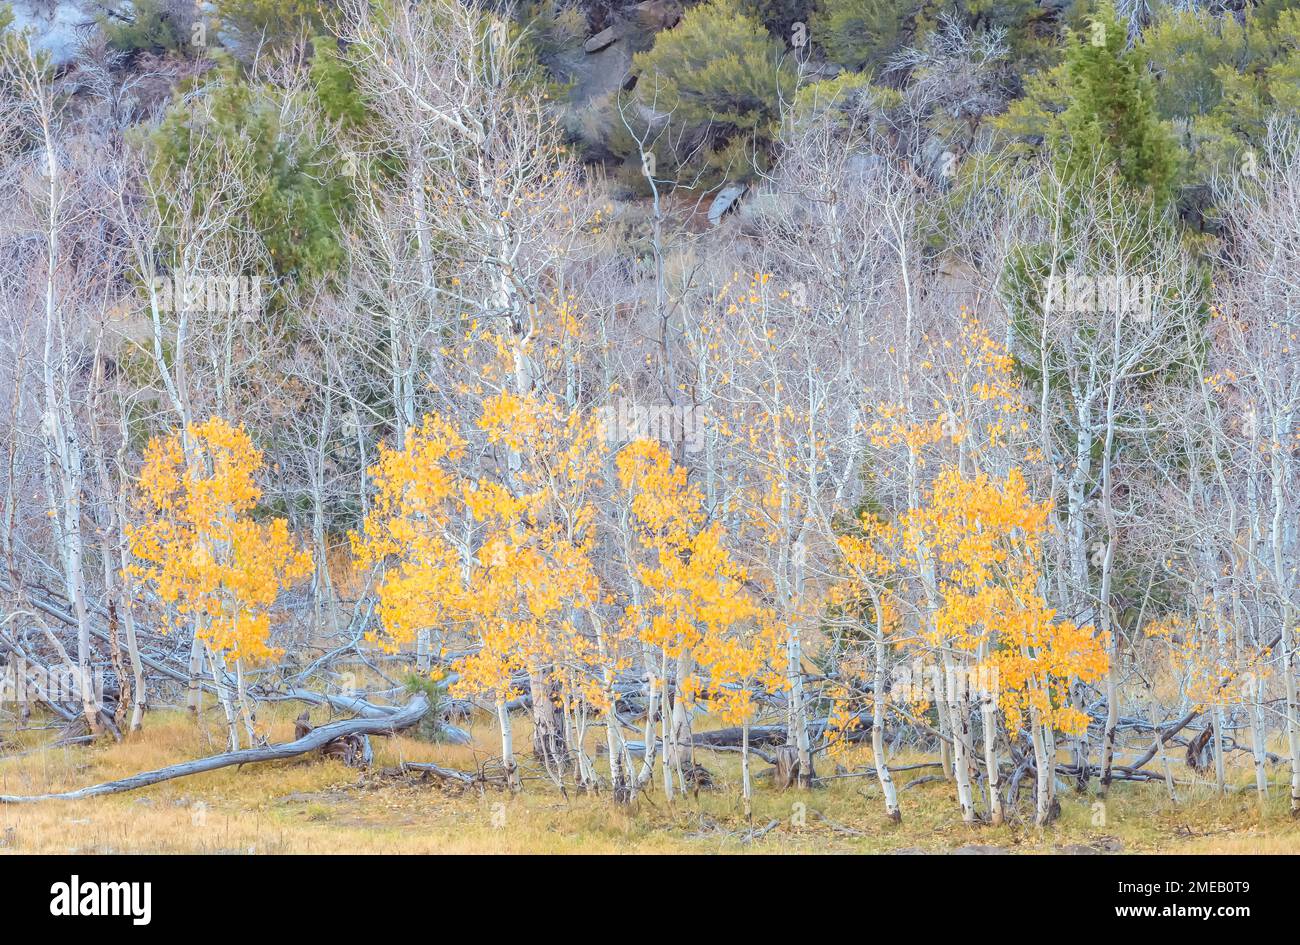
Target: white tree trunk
column 508, row 747
column 989, row 719
column 217, row 665
column 961, row 743
column 746, row 789
column 878, row 736
column 1045, row 768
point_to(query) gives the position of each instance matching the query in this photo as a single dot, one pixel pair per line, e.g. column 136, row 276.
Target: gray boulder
column 57, row 27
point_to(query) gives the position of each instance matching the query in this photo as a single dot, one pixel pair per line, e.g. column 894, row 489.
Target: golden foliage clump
column 214, row 565
column 504, row 556
column 507, row 557
column 694, row 599
column 982, row 539
column 966, row 555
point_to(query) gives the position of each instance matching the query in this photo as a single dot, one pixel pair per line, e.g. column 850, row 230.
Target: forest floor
column 313, row 805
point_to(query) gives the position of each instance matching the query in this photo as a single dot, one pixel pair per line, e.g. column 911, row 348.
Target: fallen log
column 451, row 734
column 761, row 832
column 731, row 737
column 428, row 768
column 773, row 735
column 340, row 703
column 63, row 616
column 438, row 771
column 923, row 779
column 399, row 719
column 1118, row 772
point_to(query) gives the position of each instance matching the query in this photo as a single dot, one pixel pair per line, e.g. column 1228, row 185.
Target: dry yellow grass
column 310, row 805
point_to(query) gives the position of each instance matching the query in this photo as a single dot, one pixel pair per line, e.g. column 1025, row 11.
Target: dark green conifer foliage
column 1110, row 119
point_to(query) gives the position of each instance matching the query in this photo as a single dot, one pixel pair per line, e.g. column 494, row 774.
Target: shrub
column 718, row 79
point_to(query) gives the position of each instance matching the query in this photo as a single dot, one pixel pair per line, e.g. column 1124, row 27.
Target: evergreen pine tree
column 1110, row 119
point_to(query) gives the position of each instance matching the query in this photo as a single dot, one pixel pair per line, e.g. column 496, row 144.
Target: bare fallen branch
column 450, row 774
column 399, row 719
column 761, row 832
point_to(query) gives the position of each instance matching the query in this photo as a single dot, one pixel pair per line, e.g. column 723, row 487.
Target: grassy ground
column 311, row 805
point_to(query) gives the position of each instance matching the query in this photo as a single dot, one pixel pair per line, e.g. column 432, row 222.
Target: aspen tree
column 38, row 112
column 869, row 555
column 505, row 558
column 986, row 539
column 1253, row 376
column 215, row 568
column 694, row 608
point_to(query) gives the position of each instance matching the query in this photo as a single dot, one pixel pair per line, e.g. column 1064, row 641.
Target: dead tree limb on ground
column 399, row 719
column 430, row 769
